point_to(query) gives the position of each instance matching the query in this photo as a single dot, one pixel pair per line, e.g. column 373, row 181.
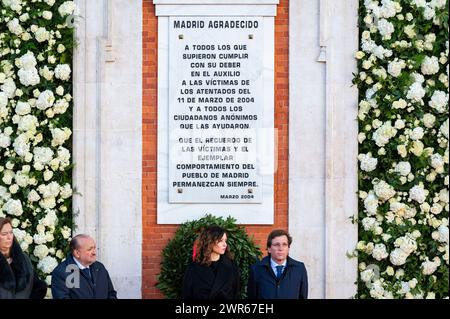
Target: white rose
column 428, row 120
column 371, row 203
column 47, row 15
column 33, row 196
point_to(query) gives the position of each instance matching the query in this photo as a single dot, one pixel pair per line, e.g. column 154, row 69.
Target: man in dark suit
column 278, row 276
column 80, row 276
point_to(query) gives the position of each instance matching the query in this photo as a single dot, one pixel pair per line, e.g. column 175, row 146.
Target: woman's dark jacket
column 18, row 280
column 218, row 281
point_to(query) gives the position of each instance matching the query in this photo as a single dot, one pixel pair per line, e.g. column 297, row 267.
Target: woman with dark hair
column 18, row 280
column 212, row 274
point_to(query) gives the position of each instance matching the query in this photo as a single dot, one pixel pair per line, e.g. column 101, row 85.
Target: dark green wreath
column 178, row 253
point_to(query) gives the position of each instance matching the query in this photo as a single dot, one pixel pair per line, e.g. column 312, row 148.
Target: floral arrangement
column 36, row 43
column 403, row 149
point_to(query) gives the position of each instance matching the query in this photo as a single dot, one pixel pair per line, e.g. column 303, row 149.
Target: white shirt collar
column 80, row 265
column 274, row 265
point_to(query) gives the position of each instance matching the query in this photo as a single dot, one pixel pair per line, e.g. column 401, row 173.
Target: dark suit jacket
column 102, row 288
column 263, row 284
column 200, row 282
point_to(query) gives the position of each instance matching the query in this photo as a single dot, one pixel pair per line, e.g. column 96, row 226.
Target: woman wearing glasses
column 212, row 274
column 18, row 280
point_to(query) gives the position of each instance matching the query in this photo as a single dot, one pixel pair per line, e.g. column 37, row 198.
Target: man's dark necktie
column 279, row 271
column 87, row 273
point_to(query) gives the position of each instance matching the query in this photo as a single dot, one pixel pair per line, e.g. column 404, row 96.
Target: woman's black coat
column 201, row 282
column 18, row 280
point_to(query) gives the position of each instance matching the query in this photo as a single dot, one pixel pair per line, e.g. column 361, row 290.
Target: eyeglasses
column 284, row 245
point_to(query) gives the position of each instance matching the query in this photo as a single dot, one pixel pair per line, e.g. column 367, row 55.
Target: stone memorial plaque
column 215, row 109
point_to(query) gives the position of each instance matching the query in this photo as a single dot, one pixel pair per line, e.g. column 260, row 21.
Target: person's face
column 279, row 250
column 86, row 253
column 6, row 238
column 221, row 245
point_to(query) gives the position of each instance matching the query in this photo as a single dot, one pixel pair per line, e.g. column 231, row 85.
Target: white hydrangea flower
column 443, row 195
column 42, row 156
column 60, row 135
column 13, row 207
column 379, row 252
column 437, row 4
column 50, row 219
column 47, row 264
column 3, row 99
column 67, row 8
column 418, row 193
column 430, row 65
column 66, row 191
column 383, row 134
column 29, row 77
column 41, row 35
column 403, row 168
column 45, row 100
column 443, row 234
column 383, row 190
column 437, row 162
column 439, row 101
column 369, row 223
column 66, row 232
column 40, row 251
column 429, row 13
column 429, row 120
column 28, row 123
column 63, row 157
column 5, row 140
column 388, row 9
column 62, row 72
column 395, row 67
column 33, row 196
column 21, row 145
column 420, row 3
column 9, row 88
column 46, row 73
column 60, row 106
column 445, row 129
column 367, row 275
column 368, row 163
column 416, row 92
column 14, row 26
column 417, row 133
column 429, row 267
column 23, row 108
column 385, row 28
column 371, row 203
